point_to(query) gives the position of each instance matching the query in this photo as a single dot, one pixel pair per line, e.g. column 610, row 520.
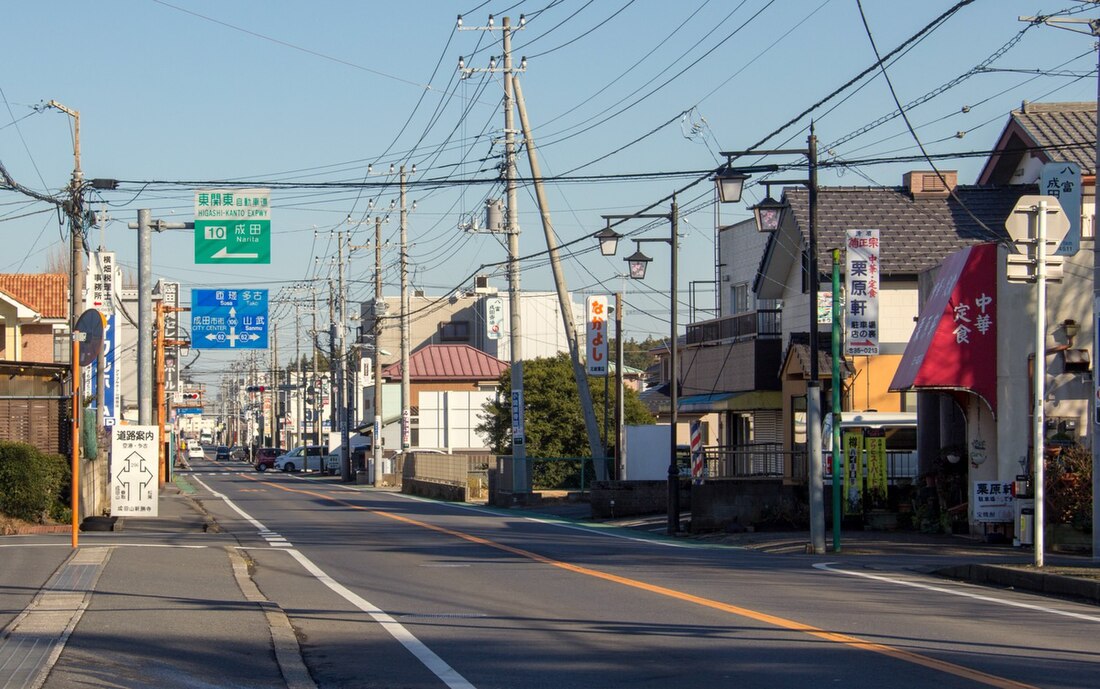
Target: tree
column 554, row 420
column 636, row 354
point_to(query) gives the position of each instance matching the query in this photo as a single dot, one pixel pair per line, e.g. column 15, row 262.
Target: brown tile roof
column 1065, row 131
column 449, row 362
column 46, row 293
column 916, row 234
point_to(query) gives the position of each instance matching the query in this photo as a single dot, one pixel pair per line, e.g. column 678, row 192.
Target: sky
column 629, row 101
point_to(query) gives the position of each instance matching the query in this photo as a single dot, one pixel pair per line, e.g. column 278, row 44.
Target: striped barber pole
column 697, row 467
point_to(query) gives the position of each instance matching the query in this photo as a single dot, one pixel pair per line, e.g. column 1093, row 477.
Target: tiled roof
column 1065, row 131
column 449, row 362
column 916, row 234
column 46, row 293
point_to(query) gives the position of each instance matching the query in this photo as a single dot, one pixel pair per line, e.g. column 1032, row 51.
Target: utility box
column 645, row 453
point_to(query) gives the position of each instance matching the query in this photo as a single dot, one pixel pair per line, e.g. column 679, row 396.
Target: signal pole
column 406, row 393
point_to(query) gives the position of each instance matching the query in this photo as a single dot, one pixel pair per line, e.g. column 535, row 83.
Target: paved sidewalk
column 163, row 602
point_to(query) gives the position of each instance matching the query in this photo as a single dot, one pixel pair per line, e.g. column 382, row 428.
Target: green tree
column 554, row 421
column 636, row 354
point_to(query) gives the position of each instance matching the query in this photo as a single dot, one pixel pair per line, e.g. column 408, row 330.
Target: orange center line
column 780, row 622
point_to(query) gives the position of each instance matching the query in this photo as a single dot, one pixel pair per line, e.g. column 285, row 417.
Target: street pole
column 837, row 412
column 1040, row 373
column 521, row 482
column 813, row 387
column 406, row 392
column 674, row 383
column 376, row 436
column 342, row 365
column 318, row 396
column 620, row 407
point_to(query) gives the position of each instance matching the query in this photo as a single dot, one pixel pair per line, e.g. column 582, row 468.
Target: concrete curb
column 1087, row 590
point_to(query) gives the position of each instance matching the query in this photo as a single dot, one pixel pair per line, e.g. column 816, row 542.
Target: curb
column 1039, row 582
column 37, row 529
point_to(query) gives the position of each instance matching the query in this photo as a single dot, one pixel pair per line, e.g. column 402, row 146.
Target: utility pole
column 595, row 447
column 75, row 211
column 406, row 392
column 318, row 394
column 376, row 436
column 299, row 389
column 521, row 481
column 276, row 417
column 341, row 365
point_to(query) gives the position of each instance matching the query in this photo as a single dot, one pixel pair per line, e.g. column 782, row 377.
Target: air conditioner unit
column 481, row 285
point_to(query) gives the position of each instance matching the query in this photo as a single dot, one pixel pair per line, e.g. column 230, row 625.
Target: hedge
column 35, row 485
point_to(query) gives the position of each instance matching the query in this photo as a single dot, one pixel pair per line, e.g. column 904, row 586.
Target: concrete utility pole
column 406, row 390
column 299, row 389
column 341, row 365
column 75, row 211
column 521, row 482
column 595, row 447
column 376, row 436
column 318, row 396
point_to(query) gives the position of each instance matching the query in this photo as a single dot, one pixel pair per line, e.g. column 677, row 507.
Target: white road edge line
column 825, row 566
column 425, row 655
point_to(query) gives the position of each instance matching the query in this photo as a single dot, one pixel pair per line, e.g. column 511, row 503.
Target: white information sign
column 861, row 283
column 100, row 282
column 494, row 317
column 596, row 336
column 1063, row 182
column 135, row 470
column 993, row 502
column 518, row 433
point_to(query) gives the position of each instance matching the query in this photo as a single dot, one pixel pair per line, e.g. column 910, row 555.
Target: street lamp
column 768, row 214
column 729, row 182
column 771, row 213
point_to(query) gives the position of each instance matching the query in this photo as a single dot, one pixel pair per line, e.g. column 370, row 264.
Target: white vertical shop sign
column 596, row 336
column 861, row 284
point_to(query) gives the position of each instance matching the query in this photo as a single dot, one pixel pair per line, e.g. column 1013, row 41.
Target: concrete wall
column 715, row 505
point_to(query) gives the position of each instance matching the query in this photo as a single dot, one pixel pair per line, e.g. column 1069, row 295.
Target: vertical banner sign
column 110, row 371
column 596, row 336
column 861, row 283
column 494, row 317
column 135, row 459
column 874, row 442
column 698, row 468
column 233, row 226
column 518, row 435
column 170, row 296
column 853, row 472
column 1063, row 182
column 100, row 283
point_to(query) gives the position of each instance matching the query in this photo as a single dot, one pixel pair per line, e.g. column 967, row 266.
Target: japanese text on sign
column 596, row 336
column 862, row 288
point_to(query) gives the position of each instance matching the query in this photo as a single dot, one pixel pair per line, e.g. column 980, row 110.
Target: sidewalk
column 163, row 602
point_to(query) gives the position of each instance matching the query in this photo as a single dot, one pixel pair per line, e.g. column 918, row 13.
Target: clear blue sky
column 178, row 95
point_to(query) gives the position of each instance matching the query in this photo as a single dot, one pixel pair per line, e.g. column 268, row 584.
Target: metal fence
column 770, row 460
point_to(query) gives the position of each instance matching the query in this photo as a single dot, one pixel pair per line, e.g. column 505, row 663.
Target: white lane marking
column 433, row 662
column 426, row 656
column 825, row 566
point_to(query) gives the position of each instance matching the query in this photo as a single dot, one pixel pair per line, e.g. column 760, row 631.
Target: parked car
column 194, row 451
column 239, row 453
column 221, row 453
column 305, row 457
column 265, row 457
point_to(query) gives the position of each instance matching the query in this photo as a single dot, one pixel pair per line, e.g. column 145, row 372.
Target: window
column 740, row 297
column 454, row 331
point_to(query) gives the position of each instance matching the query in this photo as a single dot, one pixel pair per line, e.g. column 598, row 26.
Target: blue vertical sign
column 110, row 371
column 229, row 318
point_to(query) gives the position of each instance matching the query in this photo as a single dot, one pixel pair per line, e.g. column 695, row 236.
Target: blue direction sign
column 229, row 318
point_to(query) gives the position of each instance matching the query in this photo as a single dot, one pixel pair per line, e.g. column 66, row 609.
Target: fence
column 770, row 460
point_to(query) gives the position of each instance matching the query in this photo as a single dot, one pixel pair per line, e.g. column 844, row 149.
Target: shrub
column 1068, row 487
column 35, row 484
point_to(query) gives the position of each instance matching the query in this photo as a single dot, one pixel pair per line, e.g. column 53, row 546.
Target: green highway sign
column 233, row 226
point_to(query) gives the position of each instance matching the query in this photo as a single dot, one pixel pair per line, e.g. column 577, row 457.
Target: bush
column 36, row 485
column 1068, row 487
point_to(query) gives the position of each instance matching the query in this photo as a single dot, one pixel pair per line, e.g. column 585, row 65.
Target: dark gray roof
column 1065, row 131
column 916, row 234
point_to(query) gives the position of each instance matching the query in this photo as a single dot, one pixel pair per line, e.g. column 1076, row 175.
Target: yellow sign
column 853, row 472
column 875, row 445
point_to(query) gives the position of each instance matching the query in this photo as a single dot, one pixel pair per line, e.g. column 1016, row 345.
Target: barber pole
column 697, row 471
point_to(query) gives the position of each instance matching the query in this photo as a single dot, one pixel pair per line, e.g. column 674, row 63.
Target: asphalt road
column 385, row 590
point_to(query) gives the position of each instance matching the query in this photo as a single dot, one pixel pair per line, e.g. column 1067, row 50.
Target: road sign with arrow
column 134, row 461
column 229, row 318
column 233, row 226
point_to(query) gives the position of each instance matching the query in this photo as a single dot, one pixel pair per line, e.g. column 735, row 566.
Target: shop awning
column 748, row 400
column 954, row 346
